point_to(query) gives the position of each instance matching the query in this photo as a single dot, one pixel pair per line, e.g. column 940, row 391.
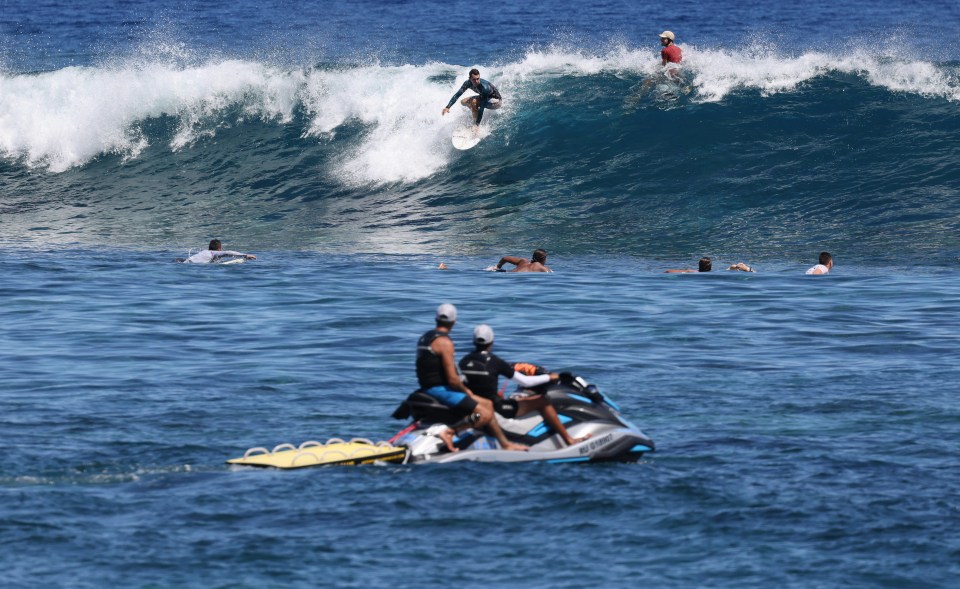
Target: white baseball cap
column 446, row 313
column 667, row 34
column 483, row 334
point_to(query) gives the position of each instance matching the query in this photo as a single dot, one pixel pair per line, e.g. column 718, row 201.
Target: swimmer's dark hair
column 705, row 264
column 825, row 258
column 474, row 72
column 540, row 255
column 214, row 244
column 447, row 324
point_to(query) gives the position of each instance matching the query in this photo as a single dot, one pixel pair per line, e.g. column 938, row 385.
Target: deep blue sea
column 807, row 428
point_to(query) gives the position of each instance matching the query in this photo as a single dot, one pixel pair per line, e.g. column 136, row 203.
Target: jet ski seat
column 422, row 407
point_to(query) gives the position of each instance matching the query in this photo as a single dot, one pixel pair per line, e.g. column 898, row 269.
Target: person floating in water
column 824, row 265
column 536, row 264
column 213, row 253
column 487, row 96
column 706, row 265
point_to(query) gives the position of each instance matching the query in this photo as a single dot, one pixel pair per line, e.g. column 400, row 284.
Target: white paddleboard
column 466, row 137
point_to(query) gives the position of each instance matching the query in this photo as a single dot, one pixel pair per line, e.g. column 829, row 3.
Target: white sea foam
column 406, row 136
column 66, row 118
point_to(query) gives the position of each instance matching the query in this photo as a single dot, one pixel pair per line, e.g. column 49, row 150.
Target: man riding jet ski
column 580, row 407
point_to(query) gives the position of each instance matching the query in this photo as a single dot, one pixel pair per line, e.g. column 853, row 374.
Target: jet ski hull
column 582, row 409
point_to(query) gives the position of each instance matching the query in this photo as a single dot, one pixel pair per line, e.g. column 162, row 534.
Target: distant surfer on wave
column 670, row 58
column 213, row 253
column 670, row 52
column 487, row 96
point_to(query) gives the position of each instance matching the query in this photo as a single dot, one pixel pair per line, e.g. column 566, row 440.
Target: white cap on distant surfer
column 670, row 52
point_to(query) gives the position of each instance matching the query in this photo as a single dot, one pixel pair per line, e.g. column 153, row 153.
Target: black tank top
column 429, row 368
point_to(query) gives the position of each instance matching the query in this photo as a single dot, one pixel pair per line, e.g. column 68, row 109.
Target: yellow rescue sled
column 335, row 451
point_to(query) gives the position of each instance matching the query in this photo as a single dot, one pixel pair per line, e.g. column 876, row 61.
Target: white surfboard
column 466, row 137
column 233, row 261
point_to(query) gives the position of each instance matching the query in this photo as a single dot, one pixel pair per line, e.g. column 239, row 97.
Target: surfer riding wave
column 487, row 96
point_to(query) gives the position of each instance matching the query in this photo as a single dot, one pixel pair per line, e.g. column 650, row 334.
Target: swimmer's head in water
column 215, row 245
column 705, row 264
column 540, row 256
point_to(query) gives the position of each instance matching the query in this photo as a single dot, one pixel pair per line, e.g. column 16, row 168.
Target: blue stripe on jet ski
column 612, row 404
column 538, row 431
column 579, row 398
column 542, row 427
column 576, row 459
column 640, row 448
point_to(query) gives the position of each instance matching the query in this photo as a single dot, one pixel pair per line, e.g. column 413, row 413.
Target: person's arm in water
column 456, row 96
column 509, row 260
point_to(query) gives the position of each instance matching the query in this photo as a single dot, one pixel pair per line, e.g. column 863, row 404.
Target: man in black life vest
column 438, row 377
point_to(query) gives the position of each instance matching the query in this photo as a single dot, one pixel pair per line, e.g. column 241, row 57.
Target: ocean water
column 806, row 427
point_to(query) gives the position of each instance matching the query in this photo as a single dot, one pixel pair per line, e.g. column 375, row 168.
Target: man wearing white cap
column 482, row 368
column 438, row 377
column 670, row 52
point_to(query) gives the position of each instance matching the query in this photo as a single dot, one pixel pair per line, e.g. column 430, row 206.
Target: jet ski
column 581, row 407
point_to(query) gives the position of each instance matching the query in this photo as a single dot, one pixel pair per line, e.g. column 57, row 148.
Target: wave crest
column 66, row 118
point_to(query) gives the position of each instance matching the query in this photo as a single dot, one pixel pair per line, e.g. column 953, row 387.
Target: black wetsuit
column 486, row 90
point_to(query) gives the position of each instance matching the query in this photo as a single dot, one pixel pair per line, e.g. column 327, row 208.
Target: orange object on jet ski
column 528, row 369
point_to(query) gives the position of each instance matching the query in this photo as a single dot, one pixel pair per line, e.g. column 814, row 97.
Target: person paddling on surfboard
column 213, row 253
column 537, row 263
column 487, row 97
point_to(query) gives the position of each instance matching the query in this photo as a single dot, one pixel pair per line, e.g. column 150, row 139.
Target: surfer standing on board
column 487, row 96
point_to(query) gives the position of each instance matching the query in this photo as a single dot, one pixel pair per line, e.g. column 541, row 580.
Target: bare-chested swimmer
column 536, row 264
